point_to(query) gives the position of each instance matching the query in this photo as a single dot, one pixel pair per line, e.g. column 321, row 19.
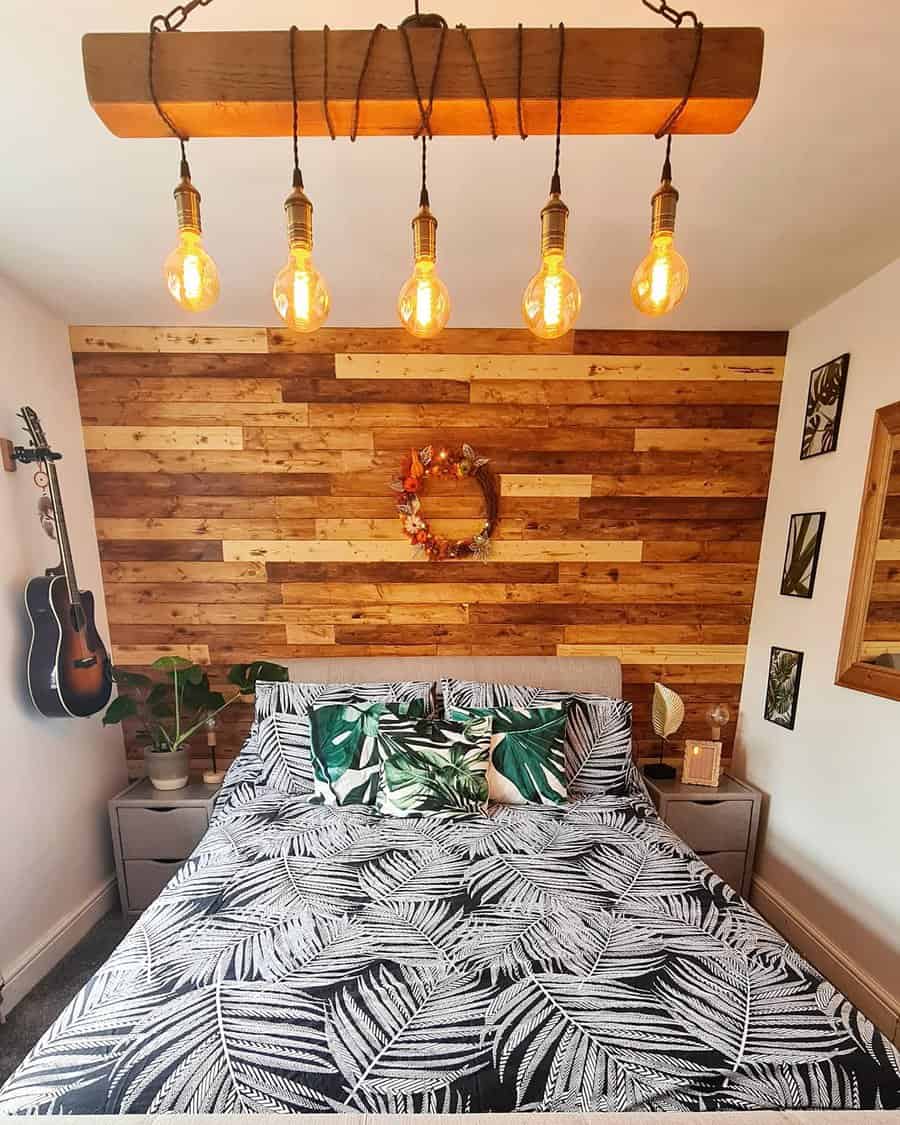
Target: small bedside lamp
column 702, row 758
column 215, row 775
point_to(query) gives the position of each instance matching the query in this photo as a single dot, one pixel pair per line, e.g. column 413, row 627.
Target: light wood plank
column 382, row 550
column 163, row 437
column 142, row 655
column 283, row 439
column 688, row 441
column 89, row 338
column 660, row 654
column 545, row 484
column 887, row 550
column 352, row 528
column 681, row 484
column 144, row 412
column 588, row 368
column 237, row 83
column 106, row 392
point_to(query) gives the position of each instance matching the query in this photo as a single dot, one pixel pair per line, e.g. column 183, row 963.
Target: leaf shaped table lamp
column 666, row 717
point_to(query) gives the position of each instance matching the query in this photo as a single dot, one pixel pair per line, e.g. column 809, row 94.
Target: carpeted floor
column 32, row 1016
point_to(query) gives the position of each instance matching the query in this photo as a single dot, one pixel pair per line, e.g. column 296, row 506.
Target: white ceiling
column 775, row 221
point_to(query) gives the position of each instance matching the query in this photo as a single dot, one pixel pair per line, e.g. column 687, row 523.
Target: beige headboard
column 601, row 674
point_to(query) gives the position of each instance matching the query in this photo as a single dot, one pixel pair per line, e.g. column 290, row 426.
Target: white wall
column 55, row 774
column 832, row 842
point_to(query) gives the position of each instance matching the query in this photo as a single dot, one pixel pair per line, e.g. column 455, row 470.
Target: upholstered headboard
column 601, row 674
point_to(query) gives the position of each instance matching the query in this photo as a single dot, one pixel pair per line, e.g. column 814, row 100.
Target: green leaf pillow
column 344, row 746
column 434, row 767
column 528, row 762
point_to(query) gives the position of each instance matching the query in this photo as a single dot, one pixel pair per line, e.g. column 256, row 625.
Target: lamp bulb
column 424, row 302
column 191, row 275
column 300, row 294
column 661, row 280
column 552, row 299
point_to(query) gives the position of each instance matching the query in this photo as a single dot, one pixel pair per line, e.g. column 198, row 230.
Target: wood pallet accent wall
column 241, row 479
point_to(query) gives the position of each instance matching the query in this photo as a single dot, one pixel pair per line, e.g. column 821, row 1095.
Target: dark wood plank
column 160, row 550
column 411, row 572
column 591, row 341
column 210, row 484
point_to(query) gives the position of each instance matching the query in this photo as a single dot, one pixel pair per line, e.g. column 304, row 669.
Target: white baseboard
column 838, row 966
column 37, row 961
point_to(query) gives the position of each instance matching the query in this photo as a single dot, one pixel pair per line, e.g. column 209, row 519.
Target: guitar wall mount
column 12, row 455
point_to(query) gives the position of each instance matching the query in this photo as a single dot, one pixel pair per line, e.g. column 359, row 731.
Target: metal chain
column 171, row 21
column 662, row 8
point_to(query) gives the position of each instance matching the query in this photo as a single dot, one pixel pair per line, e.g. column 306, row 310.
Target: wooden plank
column 465, row 591
column 159, row 505
column 543, row 392
column 377, row 550
column 660, row 654
column 650, row 530
column 594, row 341
column 502, row 447
column 87, row 338
column 221, row 364
column 94, row 390
column 267, row 485
column 237, row 83
column 302, row 439
column 163, row 437
column 183, row 572
column 494, row 368
column 735, row 441
column 216, row 461
column 165, row 529
column 887, row 550
column 424, row 573
column 552, row 612
column 128, row 595
column 452, row 341
column 542, row 485
column 142, row 412
column 180, row 550
column 740, row 551
column 683, row 485
column 125, row 655
column 656, row 634
column 351, row 528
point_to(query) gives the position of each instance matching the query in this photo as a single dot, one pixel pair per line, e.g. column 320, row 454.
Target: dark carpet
column 31, row 1017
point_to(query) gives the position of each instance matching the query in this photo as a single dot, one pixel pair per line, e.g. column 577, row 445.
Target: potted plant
column 169, row 711
column 245, row 676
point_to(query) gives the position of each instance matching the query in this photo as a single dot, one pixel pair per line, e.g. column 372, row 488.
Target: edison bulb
column 424, row 302
column 191, row 275
column 300, row 294
column 661, row 280
column 552, row 299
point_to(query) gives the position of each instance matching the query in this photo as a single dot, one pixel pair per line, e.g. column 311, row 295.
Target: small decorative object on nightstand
column 719, row 824
column 153, row 834
column 666, row 716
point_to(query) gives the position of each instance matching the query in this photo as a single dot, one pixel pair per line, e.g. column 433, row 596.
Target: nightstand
column 153, row 832
column 719, row 824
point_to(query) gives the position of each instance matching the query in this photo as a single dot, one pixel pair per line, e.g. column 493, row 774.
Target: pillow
column 528, row 764
column 434, row 767
column 346, row 755
column 282, row 720
column 598, row 731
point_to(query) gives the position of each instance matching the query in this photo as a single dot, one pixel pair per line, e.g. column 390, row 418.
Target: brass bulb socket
column 424, row 227
column 554, row 217
column 663, row 205
column 187, row 206
column 299, row 211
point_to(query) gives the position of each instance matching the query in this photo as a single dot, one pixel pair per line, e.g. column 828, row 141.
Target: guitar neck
column 62, row 535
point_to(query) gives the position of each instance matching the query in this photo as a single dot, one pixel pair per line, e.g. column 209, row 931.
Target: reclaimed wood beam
column 237, row 83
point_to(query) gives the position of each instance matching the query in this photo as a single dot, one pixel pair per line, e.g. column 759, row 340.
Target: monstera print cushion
column 528, row 764
column 434, row 767
column 346, row 749
column 282, row 721
column 598, row 731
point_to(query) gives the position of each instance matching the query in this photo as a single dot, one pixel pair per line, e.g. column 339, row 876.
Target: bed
column 577, row 958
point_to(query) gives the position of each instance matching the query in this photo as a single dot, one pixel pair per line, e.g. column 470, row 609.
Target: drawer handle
column 160, row 808
column 702, row 803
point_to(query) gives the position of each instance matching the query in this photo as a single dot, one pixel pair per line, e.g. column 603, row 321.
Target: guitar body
column 68, row 667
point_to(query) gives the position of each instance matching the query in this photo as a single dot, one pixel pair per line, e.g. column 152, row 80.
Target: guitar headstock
column 33, row 428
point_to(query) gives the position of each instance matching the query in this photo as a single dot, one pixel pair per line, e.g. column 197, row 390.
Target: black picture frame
column 799, row 564
column 783, row 673
column 824, row 407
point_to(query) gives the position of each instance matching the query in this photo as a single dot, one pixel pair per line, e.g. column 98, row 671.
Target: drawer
column 711, row 826
column 160, row 833
column 728, row 866
column 145, row 878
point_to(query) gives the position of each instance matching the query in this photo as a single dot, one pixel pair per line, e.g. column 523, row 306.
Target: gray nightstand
column 719, row 824
column 153, row 834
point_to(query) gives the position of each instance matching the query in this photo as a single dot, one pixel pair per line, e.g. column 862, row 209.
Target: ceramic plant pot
column 167, row 769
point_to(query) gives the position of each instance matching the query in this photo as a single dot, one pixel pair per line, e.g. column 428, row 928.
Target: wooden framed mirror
column 869, row 656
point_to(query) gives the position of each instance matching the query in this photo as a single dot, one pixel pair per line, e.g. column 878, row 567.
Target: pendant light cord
column 295, row 116
column 423, row 194
column 520, row 115
column 555, row 188
column 156, row 25
column 326, row 112
column 485, row 97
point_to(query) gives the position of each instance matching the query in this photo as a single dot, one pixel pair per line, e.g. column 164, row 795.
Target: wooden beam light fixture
column 232, row 84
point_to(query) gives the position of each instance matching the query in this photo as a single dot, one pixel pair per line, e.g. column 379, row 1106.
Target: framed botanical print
column 824, row 403
column 783, row 686
column 801, row 558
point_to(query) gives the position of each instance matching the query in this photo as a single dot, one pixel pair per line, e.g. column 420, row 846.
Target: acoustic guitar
column 69, row 671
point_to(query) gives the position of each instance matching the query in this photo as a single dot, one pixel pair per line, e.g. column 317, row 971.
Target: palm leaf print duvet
column 312, row 958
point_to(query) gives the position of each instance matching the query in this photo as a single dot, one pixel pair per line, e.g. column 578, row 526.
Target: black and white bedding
column 580, row 958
